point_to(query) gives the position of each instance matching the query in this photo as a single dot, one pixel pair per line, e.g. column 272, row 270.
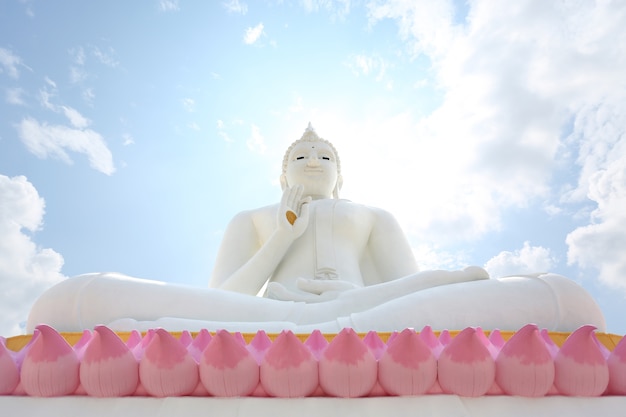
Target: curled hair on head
column 309, row 135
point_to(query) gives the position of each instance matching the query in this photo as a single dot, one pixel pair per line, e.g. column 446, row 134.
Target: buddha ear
column 283, row 182
column 338, row 186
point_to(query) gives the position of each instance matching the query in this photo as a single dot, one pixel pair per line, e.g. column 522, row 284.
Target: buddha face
column 314, row 166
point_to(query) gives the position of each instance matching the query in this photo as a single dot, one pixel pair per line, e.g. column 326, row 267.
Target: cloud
column 47, row 93
column 26, row 269
column 76, row 119
column 234, row 6
column 600, row 132
column 105, row 57
column 127, row 139
column 256, row 142
column 430, row 257
column 528, row 260
column 15, row 96
column 511, row 81
column 88, row 95
column 221, row 131
column 189, row 104
column 78, row 55
column 336, row 8
column 9, row 63
column 45, row 140
column 168, row 6
column 77, row 75
column 366, row 65
column 253, row 34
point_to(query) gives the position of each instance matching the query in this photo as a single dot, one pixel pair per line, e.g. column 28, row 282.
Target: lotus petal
column 108, row 368
column 317, row 343
column 347, row 367
column 580, row 366
column 432, row 341
column 617, row 369
column 50, row 367
column 408, row 366
column 375, row 344
column 289, row 368
column 466, row 366
column 227, row 368
column 9, row 374
column 525, row 365
column 259, row 345
column 166, row 368
column 199, row 343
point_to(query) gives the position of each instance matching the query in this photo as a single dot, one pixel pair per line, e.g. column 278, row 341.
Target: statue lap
column 550, row 301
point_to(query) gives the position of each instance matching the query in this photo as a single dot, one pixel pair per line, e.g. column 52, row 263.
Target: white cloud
column 77, row 75
column 253, row 34
column 168, row 5
column 336, row 8
column 511, row 78
column 15, row 96
column 256, row 142
column 78, row 55
column 50, row 82
column 431, row 257
column 29, row 10
column 221, row 131
column 105, row 57
column 47, row 93
column 45, row 140
column 601, row 132
column 76, row 119
column 9, row 63
column 88, row 95
column 366, row 65
column 224, row 136
column 528, row 260
column 235, row 6
column 127, row 139
column 189, row 104
column 26, row 270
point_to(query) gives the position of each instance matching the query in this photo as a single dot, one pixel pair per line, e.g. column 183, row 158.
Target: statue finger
column 278, row 291
column 297, row 197
column 304, row 211
column 323, row 286
column 310, row 285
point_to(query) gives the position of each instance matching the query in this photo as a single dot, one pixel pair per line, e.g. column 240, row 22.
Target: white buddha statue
column 328, row 264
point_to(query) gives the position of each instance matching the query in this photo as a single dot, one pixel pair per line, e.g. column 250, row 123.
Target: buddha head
column 312, row 162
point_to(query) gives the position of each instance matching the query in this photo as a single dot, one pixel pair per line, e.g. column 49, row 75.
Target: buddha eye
column 326, row 158
column 299, row 157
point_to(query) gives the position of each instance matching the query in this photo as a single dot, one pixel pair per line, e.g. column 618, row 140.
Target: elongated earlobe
column 283, row 182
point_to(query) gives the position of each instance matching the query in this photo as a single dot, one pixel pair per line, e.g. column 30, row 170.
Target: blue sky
column 131, row 132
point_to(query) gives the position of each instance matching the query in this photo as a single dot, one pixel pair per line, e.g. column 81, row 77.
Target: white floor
column 431, row 405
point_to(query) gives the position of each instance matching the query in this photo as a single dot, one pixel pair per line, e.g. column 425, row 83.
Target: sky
column 132, row 132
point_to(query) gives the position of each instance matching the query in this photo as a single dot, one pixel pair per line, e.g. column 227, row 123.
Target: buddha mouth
column 314, row 170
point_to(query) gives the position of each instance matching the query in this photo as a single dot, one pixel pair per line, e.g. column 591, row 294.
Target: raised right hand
column 293, row 202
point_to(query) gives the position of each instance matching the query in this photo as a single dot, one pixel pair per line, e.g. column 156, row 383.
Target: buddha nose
column 313, row 161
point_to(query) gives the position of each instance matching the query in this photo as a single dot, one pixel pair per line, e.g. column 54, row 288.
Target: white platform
column 432, row 405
